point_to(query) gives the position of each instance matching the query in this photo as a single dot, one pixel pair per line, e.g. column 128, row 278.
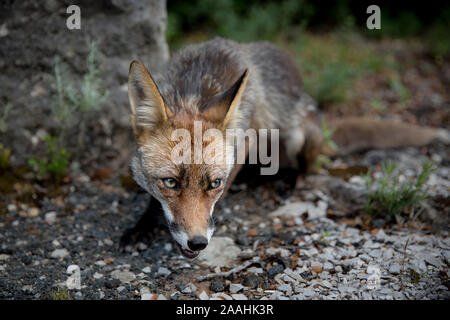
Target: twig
column 227, row 273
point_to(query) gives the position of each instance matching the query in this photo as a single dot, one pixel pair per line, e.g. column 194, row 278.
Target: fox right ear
column 148, row 108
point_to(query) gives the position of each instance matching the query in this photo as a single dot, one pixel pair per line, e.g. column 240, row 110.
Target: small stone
column 33, row 212
column 4, row 257
column 394, row 268
column 59, row 253
column 236, row 287
column 100, row 263
column 121, row 288
column 203, row 296
column 239, row 296
column 108, row 242
column 98, row 275
column 308, row 292
column 274, row 270
column 50, row 217
column 147, row 296
column 162, row 271
column 251, row 280
column 378, row 223
column 317, row 268
column 375, row 254
column 220, row 252
column 220, row 296
column 12, row 207
column 217, row 285
column 255, row 270
column 112, row 283
column 74, row 281
column 123, row 276
column 242, row 240
column 327, row 266
column 147, row 270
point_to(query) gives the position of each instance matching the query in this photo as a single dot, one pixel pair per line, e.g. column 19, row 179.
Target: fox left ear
column 148, row 108
column 224, row 110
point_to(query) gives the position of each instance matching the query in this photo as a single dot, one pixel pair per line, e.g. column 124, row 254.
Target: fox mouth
column 188, row 253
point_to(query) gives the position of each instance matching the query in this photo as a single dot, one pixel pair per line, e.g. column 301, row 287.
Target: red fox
column 223, row 85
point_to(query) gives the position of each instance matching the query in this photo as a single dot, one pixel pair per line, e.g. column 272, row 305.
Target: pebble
column 147, row 270
column 217, row 285
column 203, row 296
column 239, row 296
column 236, row 287
column 394, row 268
column 251, row 280
column 59, row 253
column 123, row 276
column 163, row 271
column 50, row 217
column 274, row 270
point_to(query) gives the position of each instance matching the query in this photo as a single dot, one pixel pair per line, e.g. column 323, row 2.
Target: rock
column 378, row 223
column 394, row 268
column 255, row 270
column 147, row 270
column 316, row 267
column 120, row 289
column 217, row 285
column 327, row 266
column 297, row 209
column 274, row 270
column 189, row 288
column 203, row 296
column 251, row 280
column 239, row 296
column 112, row 283
column 33, row 212
column 147, row 296
column 162, row 271
column 12, row 207
column 220, row 296
column 98, row 275
column 220, row 252
column 236, row 287
column 242, row 240
column 59, row 253
column 308, row 292
column 4, row 257
column 74, row 281
column 123, row 276
column 50, row 217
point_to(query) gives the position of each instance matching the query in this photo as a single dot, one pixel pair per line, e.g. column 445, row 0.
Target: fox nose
column 197, row 243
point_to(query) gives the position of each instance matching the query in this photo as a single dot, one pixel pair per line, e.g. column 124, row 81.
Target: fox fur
column 225, row 84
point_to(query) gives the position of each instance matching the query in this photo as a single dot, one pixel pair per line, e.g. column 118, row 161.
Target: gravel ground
column 265, row 247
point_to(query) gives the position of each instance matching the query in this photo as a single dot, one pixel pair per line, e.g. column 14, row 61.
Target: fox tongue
column 188, row 253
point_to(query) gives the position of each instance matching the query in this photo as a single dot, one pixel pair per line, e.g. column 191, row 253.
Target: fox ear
column 224, row 110
column 148, row 108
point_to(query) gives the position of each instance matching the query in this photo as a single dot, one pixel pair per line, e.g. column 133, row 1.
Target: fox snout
column 197, row 243
column 191, row 241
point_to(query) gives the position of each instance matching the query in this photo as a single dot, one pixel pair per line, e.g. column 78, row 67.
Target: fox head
column 187, row 191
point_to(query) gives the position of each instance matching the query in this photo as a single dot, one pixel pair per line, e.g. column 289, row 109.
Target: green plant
column 327, row 134
column 5, row 154
column 390, row 196
column 60, row 295
column 55, row 163
column 402, row 92
column 89, row 97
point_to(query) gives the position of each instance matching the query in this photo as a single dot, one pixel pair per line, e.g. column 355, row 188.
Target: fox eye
column 170, row 183
column 215, row 184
